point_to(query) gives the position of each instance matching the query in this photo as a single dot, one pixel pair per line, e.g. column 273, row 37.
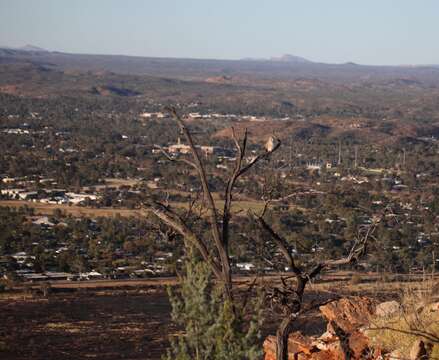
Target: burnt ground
column 86, row 325
column 110, row 324
column 90, row 324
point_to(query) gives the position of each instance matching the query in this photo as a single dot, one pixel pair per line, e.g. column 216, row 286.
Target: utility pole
column 291, row 154
column 356, row 156
column 403, row 158
column 339, row 153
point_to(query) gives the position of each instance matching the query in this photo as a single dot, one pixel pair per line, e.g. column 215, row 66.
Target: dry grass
column 238, row 207
column 77, row 211
column 416, row 320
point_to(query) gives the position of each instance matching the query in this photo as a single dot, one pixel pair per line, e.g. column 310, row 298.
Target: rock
column 349, row 314
column 297, row 345
column 270, row 348
column 343, row 338
column 359, row 343
column 388, row 308
column 418, row 351
column 329, row 347
column 301, row 344
column 395, row 355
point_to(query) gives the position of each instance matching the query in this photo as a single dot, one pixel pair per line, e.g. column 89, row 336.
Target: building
column 179, row 148
column 207, row 150
column 314, row 165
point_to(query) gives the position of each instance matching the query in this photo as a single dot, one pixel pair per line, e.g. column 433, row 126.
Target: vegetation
column 416, row 320
column 212, row 329
column 353, row 150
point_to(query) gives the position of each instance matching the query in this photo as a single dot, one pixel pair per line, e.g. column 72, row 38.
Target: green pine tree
column 212, row 330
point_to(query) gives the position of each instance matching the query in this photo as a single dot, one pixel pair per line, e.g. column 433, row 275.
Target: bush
column 211, row 328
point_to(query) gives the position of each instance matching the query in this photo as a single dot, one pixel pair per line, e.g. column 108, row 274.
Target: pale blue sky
column 362, row 31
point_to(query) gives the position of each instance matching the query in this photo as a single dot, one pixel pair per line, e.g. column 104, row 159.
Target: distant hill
column 245, row 71
column 28, row 47
column 31, row 48
column 287, row 58
column 113, row 90
column 291, row 59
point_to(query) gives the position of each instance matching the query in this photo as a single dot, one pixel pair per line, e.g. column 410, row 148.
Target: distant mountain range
column 291, row 59
column 287, row 58
column 27, row 47
column 220, row 71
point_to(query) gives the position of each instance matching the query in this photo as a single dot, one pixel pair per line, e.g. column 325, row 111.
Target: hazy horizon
column 374, row 33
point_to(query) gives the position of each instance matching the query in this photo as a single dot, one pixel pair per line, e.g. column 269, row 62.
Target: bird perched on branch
column 271, row 143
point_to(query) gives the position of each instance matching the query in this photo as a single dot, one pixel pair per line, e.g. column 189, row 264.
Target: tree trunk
column 283, row 332
column 286, row 326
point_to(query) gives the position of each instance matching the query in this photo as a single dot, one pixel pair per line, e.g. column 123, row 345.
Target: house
column 8, row 180
column 21, row 257
column 32, row 277
column 79, row 198
column 53, row 275
column 207, row 150
column 313, row 165
column 245, row 266
column 149, row 115
column 43, row 221
column 13, row 193
column 142, row 273
column 162, row 255
column 28, row 195
column 179, row 148
column 92, row 275
column 195, row 115
column 16, row 131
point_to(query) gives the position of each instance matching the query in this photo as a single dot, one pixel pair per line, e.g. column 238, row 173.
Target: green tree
column 212, row 329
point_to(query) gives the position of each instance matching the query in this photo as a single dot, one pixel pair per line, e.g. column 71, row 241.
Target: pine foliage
column 211, row 328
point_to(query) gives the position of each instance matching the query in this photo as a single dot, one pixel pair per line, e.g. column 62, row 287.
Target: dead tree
column 290, row 297
column 217, row 256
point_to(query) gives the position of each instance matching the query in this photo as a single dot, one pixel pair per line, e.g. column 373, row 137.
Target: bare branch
column 171, row 219
column 248, row 292
column 239, row 170
column 212, row 211
column 173, row 159
column 258, row 158
column 281, row 243
column 231, row 183
column 357, row 250
column 264, row 210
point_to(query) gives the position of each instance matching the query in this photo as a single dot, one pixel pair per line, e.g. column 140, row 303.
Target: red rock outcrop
column 343, row 338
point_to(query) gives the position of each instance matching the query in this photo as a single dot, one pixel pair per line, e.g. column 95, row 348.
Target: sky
column 334, row 31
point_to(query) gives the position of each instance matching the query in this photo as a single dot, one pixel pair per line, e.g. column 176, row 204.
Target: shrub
column 212, row 330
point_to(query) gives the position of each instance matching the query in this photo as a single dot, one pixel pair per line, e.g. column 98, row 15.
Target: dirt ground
column 86, row 325
column 89, row 323
column 126, row 321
